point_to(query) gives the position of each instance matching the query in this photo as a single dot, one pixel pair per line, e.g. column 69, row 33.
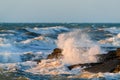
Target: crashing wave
column 77, row 47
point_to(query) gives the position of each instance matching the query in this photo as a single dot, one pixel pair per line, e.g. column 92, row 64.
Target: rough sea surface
column 21, row 44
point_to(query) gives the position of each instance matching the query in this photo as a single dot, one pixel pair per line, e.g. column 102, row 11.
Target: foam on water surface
column 48, row 30
column 113, row 29
column 77, row 45
column 114, row 40
column 52, row 67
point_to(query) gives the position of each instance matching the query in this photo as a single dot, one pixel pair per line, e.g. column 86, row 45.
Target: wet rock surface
column 109, row 62
column 56, row 54
column 117, row 69
column 108, row 66
column 110, row 55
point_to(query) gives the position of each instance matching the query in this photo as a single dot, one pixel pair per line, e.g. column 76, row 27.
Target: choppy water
column 40, row 39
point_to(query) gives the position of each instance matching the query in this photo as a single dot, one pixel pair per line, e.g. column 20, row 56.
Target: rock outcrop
column 107, row 66
column 117, row 69
column 109, row 62
column 57, row 53
column 109, row 56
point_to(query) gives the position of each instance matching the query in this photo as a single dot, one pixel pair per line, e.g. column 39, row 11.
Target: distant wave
column 114, row 30
column 48, row 30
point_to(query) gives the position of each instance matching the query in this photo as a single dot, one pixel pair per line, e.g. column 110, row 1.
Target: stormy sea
column 24, row 48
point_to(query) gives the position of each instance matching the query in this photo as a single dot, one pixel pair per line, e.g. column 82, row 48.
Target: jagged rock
column 118, row 52
column 115, row 54
column 109, row 62
column 105, row 57
column 108, row 66
column 83, row 65
column 57, row 53
column 117, row 69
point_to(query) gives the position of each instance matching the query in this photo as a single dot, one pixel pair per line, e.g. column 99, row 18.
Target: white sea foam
column 113, row 29
column 52, row 67
column 112, row 76
column 56, row 67
column 48, row 30
column 114, row 41
column 36, row 38
column 18, row 66
column 27, row 41
column 39, row 38
column 6, row 34
column 77, row 47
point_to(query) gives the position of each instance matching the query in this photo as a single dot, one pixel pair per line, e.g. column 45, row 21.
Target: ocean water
column 79, row 41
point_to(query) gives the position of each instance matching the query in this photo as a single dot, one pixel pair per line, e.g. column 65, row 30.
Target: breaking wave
column 77, row 47
column 48, row 30
column 115, row 30
column 111, row 41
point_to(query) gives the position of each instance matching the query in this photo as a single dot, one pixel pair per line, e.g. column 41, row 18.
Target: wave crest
column 77, row 47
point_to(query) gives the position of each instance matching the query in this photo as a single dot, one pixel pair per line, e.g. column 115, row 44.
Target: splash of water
column 77, row 47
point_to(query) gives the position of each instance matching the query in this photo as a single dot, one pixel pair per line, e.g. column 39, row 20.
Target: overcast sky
column 60, row 11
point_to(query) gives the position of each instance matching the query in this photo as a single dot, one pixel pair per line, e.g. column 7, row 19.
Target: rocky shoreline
column 109, row 62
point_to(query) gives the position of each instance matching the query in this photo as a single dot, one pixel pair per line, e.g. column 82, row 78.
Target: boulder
column 56, row 54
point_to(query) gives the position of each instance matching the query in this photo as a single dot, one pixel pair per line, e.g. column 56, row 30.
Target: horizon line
column 68, row 22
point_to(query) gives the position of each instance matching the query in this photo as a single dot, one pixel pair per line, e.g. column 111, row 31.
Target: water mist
column 77, row 47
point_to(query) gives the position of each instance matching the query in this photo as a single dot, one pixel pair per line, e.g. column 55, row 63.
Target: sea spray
column 77, row 47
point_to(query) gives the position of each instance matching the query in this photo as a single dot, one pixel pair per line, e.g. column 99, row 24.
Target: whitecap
column 113, row 30
column 52, row 67
column 48, row 30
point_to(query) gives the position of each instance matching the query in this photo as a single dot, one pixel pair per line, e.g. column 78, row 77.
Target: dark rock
column 108, row 66
column 37, row 60
column 118, row 52
column 57, row 53
column 109, row 62
column 117, row 69
column 115, row 54
column 83, row 65
column 105, row 57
